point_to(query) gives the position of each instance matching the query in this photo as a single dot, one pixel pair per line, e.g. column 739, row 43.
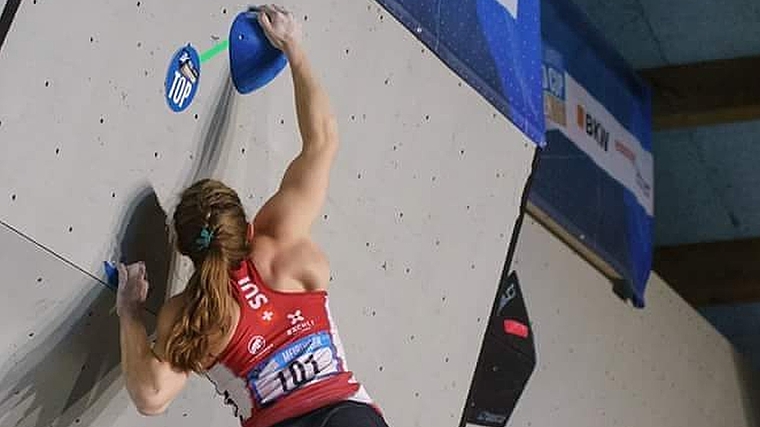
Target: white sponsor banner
column 595, row 131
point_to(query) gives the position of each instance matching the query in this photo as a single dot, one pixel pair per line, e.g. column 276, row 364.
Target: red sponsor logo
column 257, row 343
column 513, row 327
column 626, row 151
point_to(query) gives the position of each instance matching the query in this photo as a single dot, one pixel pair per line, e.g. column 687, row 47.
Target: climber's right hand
column 280, row 27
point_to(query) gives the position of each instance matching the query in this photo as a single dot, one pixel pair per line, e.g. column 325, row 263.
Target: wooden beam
column 712, row 273
column 705, row 93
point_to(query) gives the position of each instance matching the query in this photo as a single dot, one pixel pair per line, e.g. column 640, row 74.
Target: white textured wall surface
column 603, row 363
column 425, row 191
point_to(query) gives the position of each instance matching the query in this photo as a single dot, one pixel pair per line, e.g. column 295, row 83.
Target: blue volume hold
column 254, row 62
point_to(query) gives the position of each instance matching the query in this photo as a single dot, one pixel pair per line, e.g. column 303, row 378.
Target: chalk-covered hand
column 133, row 288
column 280, row 26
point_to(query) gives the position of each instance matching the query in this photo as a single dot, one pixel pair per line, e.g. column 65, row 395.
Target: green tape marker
column 217, row 49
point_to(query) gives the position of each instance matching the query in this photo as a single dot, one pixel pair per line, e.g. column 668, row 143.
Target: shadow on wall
column 71, row 374
column 68, row 372
column 210, row 145
column 144, row 236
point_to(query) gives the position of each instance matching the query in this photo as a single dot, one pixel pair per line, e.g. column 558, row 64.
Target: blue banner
column 595, row 177
column 493, row 45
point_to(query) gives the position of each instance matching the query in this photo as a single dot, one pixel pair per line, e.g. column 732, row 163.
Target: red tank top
column 285, row 358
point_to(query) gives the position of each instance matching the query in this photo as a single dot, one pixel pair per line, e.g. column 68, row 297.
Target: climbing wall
column 424, row 194
column 604, row 363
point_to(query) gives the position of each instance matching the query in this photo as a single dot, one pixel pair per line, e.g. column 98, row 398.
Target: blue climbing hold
column 254, row 62
column 112, row 275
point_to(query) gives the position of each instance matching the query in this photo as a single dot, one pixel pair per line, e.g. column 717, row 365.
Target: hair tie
column 204, row 241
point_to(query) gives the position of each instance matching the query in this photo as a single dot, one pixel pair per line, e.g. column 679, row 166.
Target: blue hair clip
column 204, row 241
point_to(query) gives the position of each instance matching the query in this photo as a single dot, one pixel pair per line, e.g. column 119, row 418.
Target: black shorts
column 343, row 414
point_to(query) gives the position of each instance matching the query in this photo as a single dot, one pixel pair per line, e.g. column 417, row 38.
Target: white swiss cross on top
column 267, row 316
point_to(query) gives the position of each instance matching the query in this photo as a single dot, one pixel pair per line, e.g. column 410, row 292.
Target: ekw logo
column 593, row 128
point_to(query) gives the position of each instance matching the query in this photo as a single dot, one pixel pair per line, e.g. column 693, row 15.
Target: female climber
column 254, row 316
